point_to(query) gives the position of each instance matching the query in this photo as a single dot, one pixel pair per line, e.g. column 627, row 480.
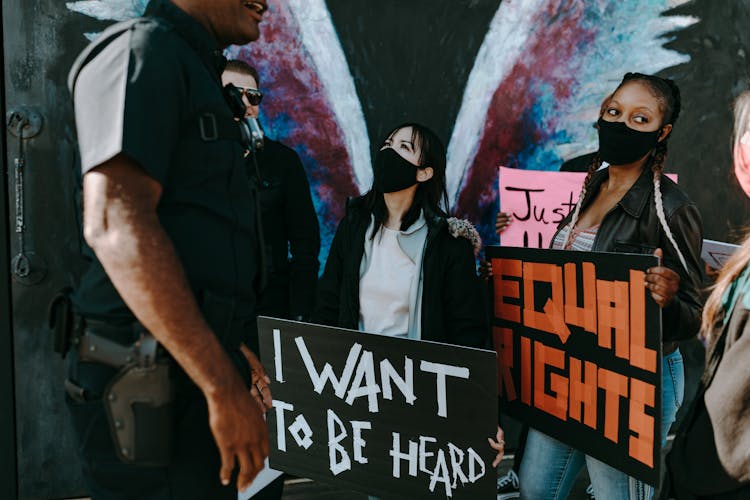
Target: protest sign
column 386, row 416
column 578, row 342
column 717, row 253
column 537, row 201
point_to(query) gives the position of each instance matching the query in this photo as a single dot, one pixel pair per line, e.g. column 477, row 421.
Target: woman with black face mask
column 630, row 207
column 398, row 264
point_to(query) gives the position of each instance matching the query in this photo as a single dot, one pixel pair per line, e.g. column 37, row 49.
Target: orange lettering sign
column 503, row 338
column 583, row 390
column 505, row 288
column 641, row 443
column 640, row 356
column 613, row 313
column 585, row 316
column 552, row 318
column 615, row 387
column 555, row 404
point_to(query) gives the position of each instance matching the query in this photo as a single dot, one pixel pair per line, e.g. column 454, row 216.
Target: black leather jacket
column 632, row 226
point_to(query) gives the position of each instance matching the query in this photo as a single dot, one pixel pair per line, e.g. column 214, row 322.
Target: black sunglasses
column 254, row 96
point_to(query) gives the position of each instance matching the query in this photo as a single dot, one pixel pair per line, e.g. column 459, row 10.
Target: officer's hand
column 662, row 282
column 240, row 432
column 259, row 388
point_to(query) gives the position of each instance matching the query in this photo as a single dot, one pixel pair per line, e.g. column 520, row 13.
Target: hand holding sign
column 498, row 444
column 259, row 388
column 502, row 221
column 662, row 282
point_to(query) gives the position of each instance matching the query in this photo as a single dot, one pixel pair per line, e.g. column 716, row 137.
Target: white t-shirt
column 384, row 289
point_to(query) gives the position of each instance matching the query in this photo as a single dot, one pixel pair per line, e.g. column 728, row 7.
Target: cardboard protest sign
column 578, row 341
column 538, row 201
column 386, row 416
column 717, row 253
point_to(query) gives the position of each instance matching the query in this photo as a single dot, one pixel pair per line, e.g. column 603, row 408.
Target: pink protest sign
column 537, row 201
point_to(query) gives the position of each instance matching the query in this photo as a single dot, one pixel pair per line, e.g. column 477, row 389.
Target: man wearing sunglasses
column 290, row 225
column 166, row 400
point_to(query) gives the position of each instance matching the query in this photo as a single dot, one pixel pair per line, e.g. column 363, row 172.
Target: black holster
column 139, row 407
column 139, row 398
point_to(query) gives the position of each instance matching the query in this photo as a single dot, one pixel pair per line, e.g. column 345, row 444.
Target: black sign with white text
column 386, row 416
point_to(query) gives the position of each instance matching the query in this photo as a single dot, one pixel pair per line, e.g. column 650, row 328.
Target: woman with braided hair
column 630, row 207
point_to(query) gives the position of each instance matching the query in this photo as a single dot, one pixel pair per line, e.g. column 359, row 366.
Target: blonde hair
column 739, row 261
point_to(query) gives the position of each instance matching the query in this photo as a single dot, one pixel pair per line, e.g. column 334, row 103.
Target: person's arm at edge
column 726, row 398
column 709, row 453
column 122, row 227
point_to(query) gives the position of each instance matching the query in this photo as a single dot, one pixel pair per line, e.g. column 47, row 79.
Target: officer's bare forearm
column 121, row 226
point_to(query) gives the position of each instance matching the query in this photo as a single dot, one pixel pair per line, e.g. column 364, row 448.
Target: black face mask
column 620, row 144
column 393, row 173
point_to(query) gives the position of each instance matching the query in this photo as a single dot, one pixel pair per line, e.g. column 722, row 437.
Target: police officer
column 169, row 217
column 290, row 226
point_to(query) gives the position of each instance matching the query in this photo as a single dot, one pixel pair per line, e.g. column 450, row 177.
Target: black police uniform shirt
column 142, row 96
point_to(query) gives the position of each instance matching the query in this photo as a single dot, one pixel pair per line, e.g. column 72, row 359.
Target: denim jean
column 549, row 468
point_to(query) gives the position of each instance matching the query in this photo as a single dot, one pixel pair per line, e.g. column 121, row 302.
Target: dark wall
column 8, row 476
column 719, row 69
column 417, row 61
column 41, row 39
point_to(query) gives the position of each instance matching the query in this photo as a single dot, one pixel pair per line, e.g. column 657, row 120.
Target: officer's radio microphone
column 254, row 134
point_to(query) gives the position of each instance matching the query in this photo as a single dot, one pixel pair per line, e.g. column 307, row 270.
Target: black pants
column 194, row 470
column 192, row 474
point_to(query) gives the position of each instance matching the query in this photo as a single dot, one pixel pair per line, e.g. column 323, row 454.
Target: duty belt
column 138, row 399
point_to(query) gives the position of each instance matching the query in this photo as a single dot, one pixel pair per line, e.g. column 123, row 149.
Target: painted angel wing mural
column 537, row 84
column 530, row 100
column 312, row 105
column 109, row 10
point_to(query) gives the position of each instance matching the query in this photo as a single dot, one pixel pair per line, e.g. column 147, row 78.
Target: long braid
column 657, row 166
column 596, row 162
column 669, row 94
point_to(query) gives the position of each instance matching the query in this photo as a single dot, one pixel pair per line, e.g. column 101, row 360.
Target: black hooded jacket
column 453, row 302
